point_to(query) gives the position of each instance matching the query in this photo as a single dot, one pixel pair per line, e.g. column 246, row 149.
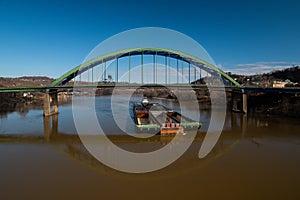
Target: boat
column 157, row 118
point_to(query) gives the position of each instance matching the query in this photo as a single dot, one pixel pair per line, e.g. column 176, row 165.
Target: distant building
column 254, row 81
column 279, row 84
column 27, row 95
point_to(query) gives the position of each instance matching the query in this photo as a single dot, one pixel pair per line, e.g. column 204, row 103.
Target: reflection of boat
column 154, row 117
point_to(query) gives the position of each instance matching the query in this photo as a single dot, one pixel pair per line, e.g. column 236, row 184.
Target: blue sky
column 51, row 37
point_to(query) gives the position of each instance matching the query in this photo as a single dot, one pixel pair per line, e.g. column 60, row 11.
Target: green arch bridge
column 181, row 58
column 189, row 70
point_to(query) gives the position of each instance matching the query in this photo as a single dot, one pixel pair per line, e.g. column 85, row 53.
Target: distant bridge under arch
column 191, row 61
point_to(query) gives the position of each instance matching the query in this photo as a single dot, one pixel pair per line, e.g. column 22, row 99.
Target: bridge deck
column 45, row 89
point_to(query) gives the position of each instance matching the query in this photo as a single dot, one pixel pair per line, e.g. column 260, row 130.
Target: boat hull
column 156, row 118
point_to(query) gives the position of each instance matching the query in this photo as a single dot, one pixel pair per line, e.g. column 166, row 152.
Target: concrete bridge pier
column 239, row 101
column 245, row 103
column 50, row 104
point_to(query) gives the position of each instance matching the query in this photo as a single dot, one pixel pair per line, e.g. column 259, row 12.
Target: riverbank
column 16, row 102
column 275, row 104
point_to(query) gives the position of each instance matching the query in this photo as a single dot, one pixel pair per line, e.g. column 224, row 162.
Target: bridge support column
column 54, row 103
column 239, row 101
column 47, row 102
column 50, row 101
column 245, row 103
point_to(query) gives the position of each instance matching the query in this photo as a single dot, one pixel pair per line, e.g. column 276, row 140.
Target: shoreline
column 258, row 103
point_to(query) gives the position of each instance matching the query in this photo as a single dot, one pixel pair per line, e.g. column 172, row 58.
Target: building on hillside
column 282, row 84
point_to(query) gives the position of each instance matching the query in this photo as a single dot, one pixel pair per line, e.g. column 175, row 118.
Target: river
column 256, row 157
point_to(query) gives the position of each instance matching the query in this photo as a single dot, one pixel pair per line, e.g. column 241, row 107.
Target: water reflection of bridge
column 72, row 142
column 52, row 133
column 237, row 127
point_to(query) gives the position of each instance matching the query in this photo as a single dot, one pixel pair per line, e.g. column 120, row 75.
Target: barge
column 156, row 118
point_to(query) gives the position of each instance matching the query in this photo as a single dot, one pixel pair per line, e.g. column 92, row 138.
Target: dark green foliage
column 292, row 74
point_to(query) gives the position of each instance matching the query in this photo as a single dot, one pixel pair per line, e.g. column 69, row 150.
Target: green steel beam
column 166, row 71
column 23, row 89
column 182, row 72
column 117, row 70
column 195, row 74
column 156, row 67
column 169, row 69
column 177, row 72
column 189, row 73
column 142, row 67
column 129, row 67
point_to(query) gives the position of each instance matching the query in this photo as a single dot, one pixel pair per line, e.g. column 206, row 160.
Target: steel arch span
column 197, row 62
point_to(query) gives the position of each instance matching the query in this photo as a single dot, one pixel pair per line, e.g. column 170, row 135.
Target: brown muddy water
column 256, row 157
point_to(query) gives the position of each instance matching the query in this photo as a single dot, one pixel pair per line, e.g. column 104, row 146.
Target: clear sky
column 50, row 37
